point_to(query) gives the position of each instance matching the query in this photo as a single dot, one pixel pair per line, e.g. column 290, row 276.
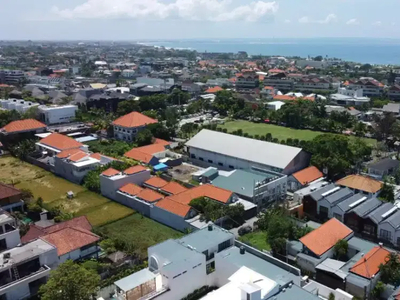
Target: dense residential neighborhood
column 136, row 172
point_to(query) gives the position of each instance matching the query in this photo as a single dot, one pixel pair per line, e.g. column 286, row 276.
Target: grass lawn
column 53, row 190
column 279, row 132
column 256, row 239
column 140, row 231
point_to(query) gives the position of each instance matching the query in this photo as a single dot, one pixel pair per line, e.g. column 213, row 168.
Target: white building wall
column 12, row 238
column 169, row 219
column 110, row 186
column 77, row 254
column 57, row 115
column 126, row 134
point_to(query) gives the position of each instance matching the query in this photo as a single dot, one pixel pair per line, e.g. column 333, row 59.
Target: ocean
column 360, row 50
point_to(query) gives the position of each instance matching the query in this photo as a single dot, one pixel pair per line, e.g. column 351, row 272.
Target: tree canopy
column 144, row 137
column 70, row 281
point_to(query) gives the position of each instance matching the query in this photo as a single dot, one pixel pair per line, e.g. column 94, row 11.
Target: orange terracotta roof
column 33, row 233
column 98, row 156
column 156, row 182
column 131, row 189
column 326, row 236
column 134, row 170
column 233, row 80
column 368, row 265
column 149, row 195
column 276, row 71
column 205, row 190
column 360, row 182
column 268, row 88
column 134, row 119
column 161, row 142
column 214, row 90
column 69, row 239
column 174, row 207
column 23, row 125
column 145, row 153
column 284, row 97
column 239, row 74
column 173, row 188
column 308, row 175
column 61, row 142
column 110, row 172
column 69, row 152
column 77, row 156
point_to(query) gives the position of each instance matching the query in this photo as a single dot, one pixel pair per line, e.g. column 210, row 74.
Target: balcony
column 43, row 271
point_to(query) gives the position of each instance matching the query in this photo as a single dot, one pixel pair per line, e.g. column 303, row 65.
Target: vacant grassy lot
column 279, row 132
column 139, row 231
column 53, row 190
column 256, row 239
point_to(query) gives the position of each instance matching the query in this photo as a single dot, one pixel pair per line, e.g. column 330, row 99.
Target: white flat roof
column 266, row 153
column 86, row 162
column 43, row 135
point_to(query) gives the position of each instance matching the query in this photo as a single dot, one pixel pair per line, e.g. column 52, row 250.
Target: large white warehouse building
column 228, row 152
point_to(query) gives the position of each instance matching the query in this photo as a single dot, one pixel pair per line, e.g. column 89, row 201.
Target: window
column 224, row 245
column 220, row 164
column 369, row 229
column 398, row 241
column 200, row 158
column 386, row 235
column 192, row 156
column 231, row 167
column 210, row 161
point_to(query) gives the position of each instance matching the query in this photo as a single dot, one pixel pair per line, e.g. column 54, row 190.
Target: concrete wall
column 70, row 172
column 169, row 219
column 388, row 227
column 227, row 161
column 62, row 114
column 110, row 186
column 78, row 254
column 301, row 161
column 138, row 205
column 12, row 238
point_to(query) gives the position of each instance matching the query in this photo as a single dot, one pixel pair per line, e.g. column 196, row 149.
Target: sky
column 191, row 19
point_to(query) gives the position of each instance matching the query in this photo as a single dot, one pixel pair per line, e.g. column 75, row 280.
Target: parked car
column 244, row 230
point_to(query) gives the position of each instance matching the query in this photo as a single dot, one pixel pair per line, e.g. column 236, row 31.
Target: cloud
column 329, row 19
column 196, row 10
column 353, row 22
column 377, row 23
column 287, row 21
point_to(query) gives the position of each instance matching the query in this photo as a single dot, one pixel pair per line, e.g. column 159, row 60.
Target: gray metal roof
column 345, row 205
column 271, row 154
column 367, row 207
column 259, row 265
column 339, row 196
column 376, row 215
column 130, row 282
column 173, row 252
column 394, row 220
column 242, row 182
column 317, row 195
column 204, row 239
column 294, row 292
column 332, row 266
column 385, row 164
column 360, row 244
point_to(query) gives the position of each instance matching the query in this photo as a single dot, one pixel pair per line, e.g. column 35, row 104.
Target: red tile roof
column 174, row 207
column 68, row 153
column 156, row 182
column 284, row 97
column 205, row 190
column 99, row 155
column 134, row 119
column 145, row 153
column 214, row 90
column 308, row 175
column 131, row 189
column 326, row 236
column 268, row 88
column 110, row 172
column 35, row 232
column 60, row 142
column 8, row 191
column 173, row 188
column 134, row 170
column 368, row 266
column 69, row 239
column 78, row 156
column 23, row 125
column 360, row 182
column 149, row 195
column 161, row 142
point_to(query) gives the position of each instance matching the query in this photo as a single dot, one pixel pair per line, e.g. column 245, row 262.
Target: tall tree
column 341, row 248
column 70, row 281
column 390, row 272
column 144, row 137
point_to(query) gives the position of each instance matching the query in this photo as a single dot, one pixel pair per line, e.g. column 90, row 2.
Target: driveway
column 249, row 222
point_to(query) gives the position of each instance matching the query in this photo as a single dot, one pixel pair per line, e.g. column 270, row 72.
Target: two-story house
column 127, row 127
